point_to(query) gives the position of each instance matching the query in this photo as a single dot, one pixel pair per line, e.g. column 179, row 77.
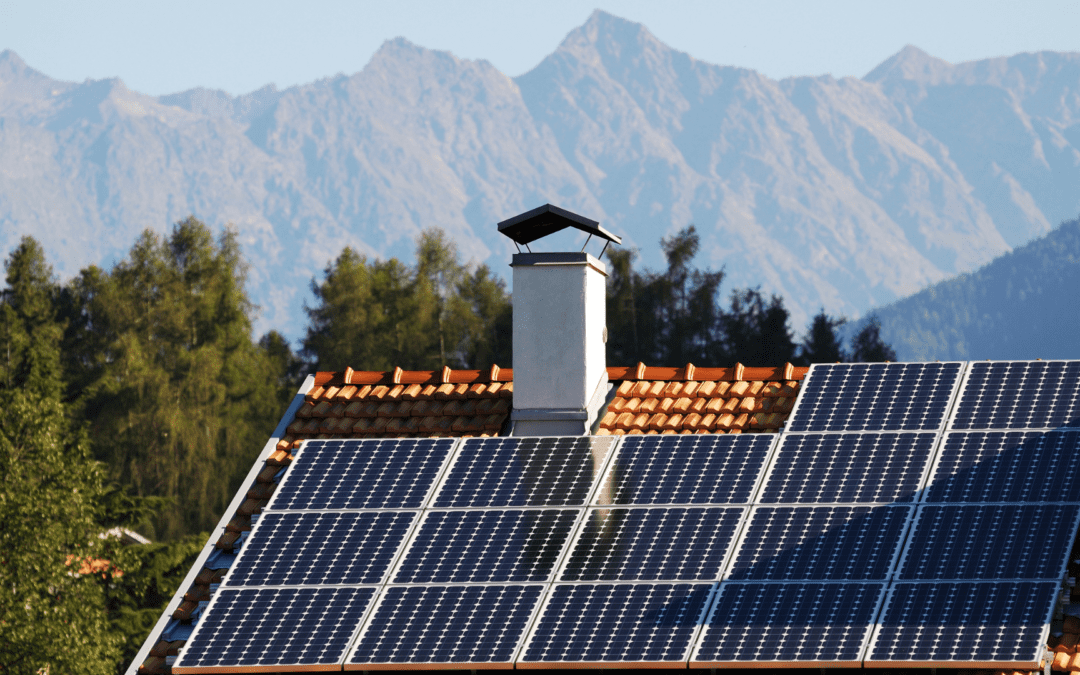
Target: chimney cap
column 548, row 219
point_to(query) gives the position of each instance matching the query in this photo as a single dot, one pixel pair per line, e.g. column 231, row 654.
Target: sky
column 239, row 46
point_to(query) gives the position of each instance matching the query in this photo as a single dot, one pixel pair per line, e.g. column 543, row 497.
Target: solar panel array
column 910, row 515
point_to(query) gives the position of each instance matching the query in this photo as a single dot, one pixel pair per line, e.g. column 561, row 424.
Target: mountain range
column 838, row 193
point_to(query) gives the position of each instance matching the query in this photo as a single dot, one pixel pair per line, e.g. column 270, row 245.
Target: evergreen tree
column 822, row 343
column 757, row 333
column 868, row 347
column 179, row 398
column 30, row 330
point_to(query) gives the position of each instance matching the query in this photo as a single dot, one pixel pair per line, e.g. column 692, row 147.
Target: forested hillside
column 1023, row 305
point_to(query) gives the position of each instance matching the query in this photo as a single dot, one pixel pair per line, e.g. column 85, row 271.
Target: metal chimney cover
column 547, row 219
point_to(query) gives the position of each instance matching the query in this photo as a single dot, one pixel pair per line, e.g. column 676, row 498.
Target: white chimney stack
column 560, row 325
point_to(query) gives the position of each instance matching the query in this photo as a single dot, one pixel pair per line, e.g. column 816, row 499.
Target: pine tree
column 757, row 333
column 822, row 343
column 868, row 347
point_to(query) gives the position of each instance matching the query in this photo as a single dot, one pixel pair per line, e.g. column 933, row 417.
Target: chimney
column 560, row 327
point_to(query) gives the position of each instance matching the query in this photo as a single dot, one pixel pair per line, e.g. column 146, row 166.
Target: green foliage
column 30, row 331
column 379, row 315
column 52, row 612
column 178, row 396
column 141, row 582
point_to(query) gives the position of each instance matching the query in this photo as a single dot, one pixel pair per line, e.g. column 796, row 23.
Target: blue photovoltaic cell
column 875, row 397
column 847, row 468
column 359, row 474
column 1011, row 466
column 506, row 471
column 476, row 546
column 686, row 469
column 629, row 623
column 1020, row 395
column 1001, row 622
column 320, row 548
column 789, row 622
column 275, row 627
column 838, row 543
column 999, row 541
column 684, row 544
column 447, row 624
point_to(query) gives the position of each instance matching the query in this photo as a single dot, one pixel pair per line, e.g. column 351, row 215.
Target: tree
column 379, row 315
column 30, row 330
column 822, row 344
column 757, row 333
column 867, row 346
column 178, row 396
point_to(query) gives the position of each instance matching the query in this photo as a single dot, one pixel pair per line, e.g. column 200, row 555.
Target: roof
column 548, row 219
column 462, row 403
column 457, row 403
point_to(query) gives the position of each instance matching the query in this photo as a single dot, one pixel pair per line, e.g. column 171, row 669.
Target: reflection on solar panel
column 779, row 624
column 616, row 623
column 875, row 397
column 847, row 468
column 320, row 548
column 964, row 624
column 275, row 627
column 524, row 471
column 990, row 542
column 820, row 543
column 354, row 474
column 460, row 625
column 1013, row 466
column 687, row 469
column 621, row 544
column 1020, row 395
column 515, row 545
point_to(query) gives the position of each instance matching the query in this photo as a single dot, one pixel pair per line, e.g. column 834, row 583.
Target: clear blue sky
column 161, row 47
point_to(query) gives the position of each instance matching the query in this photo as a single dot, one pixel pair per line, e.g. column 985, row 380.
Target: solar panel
column 806, row 624
column 784, row 543
column 1015, row 466
column 362, row 474
column 875, row 397
column 990, row 541
column 968, row 624
column 1019, row 395
column 685, row 469
column 320, row 548
column 478, row 546
column 274, row 628
column 652, row 544
column 508, row 471
column 616, row 624
column 458, row 625
column 848, row 468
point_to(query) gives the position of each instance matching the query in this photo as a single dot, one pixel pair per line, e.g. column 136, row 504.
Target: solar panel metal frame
column 291, row 468
column 871, row 628
column 754, row 489
column 800, row 401
column 447, row 470
column 1035, row 664
column 180, row 669
column 530, row 635
column 943, row 436
column 909, row 541
column 969, row 370
column 774, row 457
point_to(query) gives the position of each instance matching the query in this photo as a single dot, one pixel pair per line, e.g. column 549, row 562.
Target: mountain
column 1020, row 306
column 844, row 194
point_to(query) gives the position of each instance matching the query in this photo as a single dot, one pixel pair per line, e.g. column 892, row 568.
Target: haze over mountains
column 846, row 194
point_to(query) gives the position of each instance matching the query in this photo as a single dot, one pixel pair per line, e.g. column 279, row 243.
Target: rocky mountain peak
column 911, row 63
